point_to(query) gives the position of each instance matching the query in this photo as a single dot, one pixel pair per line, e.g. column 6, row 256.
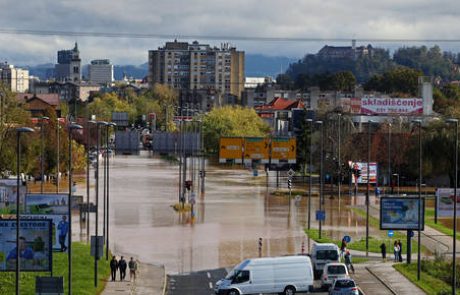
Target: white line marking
column 209, row 275
column 210, row 285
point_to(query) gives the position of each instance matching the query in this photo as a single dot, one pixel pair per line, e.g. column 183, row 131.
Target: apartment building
column 196, row 67
column 16, row 79
column 68, row 68
column 100, row 71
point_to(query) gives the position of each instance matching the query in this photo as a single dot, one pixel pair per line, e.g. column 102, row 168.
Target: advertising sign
column 231, row 148
column 8, row 195
column 256, row 148
column 362, row 166
column 445, row 202
column 34, row 245
column 283, row 149
column 401, row 213
column 53, row 207
column 383, row 106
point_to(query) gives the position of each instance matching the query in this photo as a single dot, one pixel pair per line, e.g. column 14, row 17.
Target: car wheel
column 233, row 292
column 289, row 290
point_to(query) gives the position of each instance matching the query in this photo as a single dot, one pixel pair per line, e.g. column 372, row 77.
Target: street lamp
column 57, row 157
column 108, row 199
column 454, row 243
column 321, row 173
column 71, row 128
column 369, row 123
column 419, row 265
column 339, row 178
column 88, row 123
column 310, row 125
column 389, row 157
column 96, row 252
column 42, row 136
column 18, row 183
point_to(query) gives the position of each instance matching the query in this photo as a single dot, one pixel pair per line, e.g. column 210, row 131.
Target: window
column 241, row 277
column 345, row 284
column 327, row 254
column 336, row 269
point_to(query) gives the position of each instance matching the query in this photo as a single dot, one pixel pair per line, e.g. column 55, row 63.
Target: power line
column 216, row 37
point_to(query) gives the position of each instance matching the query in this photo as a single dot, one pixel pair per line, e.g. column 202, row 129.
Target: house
column 37, row 104
column 278, row 113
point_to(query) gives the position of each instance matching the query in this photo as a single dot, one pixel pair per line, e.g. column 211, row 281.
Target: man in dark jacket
column 122, row 265
column 113, row 267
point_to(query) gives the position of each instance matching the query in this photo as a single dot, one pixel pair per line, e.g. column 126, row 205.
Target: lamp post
column 454, row 243
column 57, row 157
column 419, row 265
column 96, row 252
column 397, row 180
column 108, row 188
column 369, row 123
column 389, row 157
column 87, row 176
column 71, row 128
column 310, row 182
column 42, row 136
column 18, row 183
column 321, row 173
column 339, row 178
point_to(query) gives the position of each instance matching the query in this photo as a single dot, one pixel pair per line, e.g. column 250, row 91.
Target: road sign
column 320, row 215
column 290, row 173
column 283, row 149
column 391, row 233
column 231, row 148
column 192, row 199
column 100, row 246
column 347, row 239
column 256, row 148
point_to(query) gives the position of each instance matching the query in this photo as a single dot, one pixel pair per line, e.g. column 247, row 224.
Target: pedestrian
column 113, row 267
column 343, row 248
column 122, row 266
column 396, row 251
column 260, row 247
column 400, row 250
column 63, row 227
column 348, row 261
column 383, row 249
column 132, row 264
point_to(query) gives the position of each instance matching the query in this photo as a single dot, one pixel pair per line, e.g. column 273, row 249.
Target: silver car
column 344, row 287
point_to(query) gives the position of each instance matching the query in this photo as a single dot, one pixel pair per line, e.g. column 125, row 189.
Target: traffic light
column 289, row 183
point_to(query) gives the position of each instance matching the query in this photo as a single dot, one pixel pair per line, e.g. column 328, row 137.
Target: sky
column 218, row 20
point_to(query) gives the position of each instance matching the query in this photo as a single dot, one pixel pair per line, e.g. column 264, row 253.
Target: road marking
column 210, row 285
column 209, row 275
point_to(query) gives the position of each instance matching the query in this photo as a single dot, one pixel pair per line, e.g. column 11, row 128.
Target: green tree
column 104, row 105
column 399, row 81
column 231, row 121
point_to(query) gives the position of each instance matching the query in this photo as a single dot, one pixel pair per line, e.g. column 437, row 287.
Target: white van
column 321, row 254
column 280, row 275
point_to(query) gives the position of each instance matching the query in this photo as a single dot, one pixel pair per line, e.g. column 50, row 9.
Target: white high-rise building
column 16, row 79
column 101, row 71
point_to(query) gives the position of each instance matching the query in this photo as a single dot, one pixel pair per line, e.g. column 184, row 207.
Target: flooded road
column 236, row 210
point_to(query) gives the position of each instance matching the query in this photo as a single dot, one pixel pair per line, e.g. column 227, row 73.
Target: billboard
column 401, row 213
column 53, row 207
column 231, row 148
column 445, row 202
column 383, row 106
column 34, row 245
column 8, row 195
column 283, row 149
column 363, row 167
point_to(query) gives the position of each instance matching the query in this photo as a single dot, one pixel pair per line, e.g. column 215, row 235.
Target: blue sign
column 401, row 213
column 347, row 239
column 320, row 215
column 391, row 233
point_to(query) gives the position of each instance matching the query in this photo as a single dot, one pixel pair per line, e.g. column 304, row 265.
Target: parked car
column 344, row 287
column 279, row 275
column 332, row 272
column 321, row 254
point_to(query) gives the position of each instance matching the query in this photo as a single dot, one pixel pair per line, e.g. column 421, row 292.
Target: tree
column 399, row 81
column 104, row 105
column 231, row 121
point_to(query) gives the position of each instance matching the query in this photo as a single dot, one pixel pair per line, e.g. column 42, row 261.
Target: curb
column 382, row 281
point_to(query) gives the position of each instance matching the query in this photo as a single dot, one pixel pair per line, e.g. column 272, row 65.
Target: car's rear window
column 327, row 255
column 344, row 284
column 336, row 269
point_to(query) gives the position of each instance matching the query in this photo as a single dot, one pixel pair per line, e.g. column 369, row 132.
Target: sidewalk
column 150, row 280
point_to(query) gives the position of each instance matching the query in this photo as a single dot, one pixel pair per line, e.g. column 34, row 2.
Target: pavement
column 150, row 280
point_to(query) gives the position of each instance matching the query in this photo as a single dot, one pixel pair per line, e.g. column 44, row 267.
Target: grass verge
column 82, row 273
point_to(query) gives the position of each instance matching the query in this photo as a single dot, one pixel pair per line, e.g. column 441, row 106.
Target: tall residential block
column 100, row 71
column 197, row 67
column 68, row 68
column 15, row 79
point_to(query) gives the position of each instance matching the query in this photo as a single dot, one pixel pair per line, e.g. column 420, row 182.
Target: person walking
column 400, row 251
column 132, row 264
column 348, row 262
column 383, row 250
column 122, row 265
column 113, row 267
column 343, row 248
column 63, row 227
column 396, row 251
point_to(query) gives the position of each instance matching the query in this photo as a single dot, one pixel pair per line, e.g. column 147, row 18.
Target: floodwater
column 236, row 210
